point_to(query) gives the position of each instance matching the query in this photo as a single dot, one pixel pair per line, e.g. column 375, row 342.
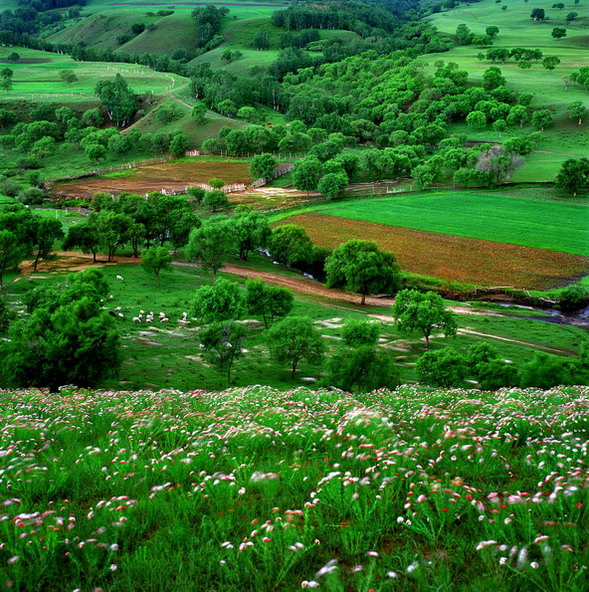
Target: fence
column 277, row 173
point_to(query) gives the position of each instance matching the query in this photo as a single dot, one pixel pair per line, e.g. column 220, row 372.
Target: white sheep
column 121, row 315
column 138, row 319
column 120, row 278
column 119, row 308
column 164, row 320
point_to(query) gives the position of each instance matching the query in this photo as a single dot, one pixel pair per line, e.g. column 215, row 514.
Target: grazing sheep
column 138, row 319
column 120, row 278
column 121, row 315
column 119, row 308
column 164, row 320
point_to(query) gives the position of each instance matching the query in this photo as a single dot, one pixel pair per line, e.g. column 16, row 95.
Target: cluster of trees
column 67, row 338
column 31, row 15
column 135, row 221
column 208, row 25
column 573, row 176
column 482, row 363
column 465, row 36
column 39, row 133
column 24, row 234
column 365, row 19
column 517, row 54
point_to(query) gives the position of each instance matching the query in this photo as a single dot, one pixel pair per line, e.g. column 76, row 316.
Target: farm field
column 490, row 216
column 451, row 258
column 256, row 489
column 155, row 177
column 36, row 77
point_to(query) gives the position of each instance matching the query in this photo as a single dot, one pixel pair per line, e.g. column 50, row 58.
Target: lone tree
column 68, row 76
column 155, row 260
column 445, row 368
column 498, row 163
column 573, row 176
column 550, row 62
column 492, row 31
column 295, row 339
column 576, row 111
column 416, row 311
column 306, row 174
column 266, row 300
column 559, row 32
column 222, row 345
column 117, row 99
column 538, row 14
column 359, row 266
column 210, row 245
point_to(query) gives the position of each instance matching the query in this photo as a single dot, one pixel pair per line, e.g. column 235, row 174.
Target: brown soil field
column 452, row 258
column 155, row 177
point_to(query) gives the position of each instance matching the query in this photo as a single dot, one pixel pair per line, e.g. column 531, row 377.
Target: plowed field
column 155, row 177
column 449, row 257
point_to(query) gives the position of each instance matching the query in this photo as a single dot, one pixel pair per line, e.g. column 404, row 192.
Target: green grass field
column 255, row 489
column 36, row 77
column 517, row 29
column 491, row 216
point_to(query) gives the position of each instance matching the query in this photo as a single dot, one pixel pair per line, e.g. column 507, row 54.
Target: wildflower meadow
column 255, row 489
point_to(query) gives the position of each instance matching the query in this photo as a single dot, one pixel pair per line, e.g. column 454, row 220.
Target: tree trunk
column 363, row 302
column 294, row 368
column 426, row 341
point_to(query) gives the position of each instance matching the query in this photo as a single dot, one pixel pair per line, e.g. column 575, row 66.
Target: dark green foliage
column 117, row 99
column 445, row 367
column 573, row 298
column 360, row 266
column 263, row 166
column 573, row 176
column 251, row 230
column 67, row 339
column 362, row 369
column 545, row 371
column 356, row 333
column 222, row 301
column 11, row 252
column 290, row 244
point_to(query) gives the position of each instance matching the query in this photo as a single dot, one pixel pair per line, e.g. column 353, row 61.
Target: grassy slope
column 164, row 487
column 196, row 133
column 172, row 32
column 491, row 216
column 41, row 82
column 517, row 29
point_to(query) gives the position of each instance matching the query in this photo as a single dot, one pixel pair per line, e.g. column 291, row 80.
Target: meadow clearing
column 255, row 489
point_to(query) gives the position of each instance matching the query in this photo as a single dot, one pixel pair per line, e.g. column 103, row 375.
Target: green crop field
column 255, row 489
column 517, row 29
column 36, row 77
column 491, row 216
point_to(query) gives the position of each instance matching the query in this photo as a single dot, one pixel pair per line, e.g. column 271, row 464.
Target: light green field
column 36, row 77
column 517, row 29
column 491, row 216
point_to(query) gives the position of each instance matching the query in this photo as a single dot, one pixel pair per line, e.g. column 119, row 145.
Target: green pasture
column 474, row 214
column 246, row 9
column 36, row 77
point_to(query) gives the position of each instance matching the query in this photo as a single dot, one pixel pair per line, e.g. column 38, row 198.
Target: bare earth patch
column 155, row 177
column 452, row 258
